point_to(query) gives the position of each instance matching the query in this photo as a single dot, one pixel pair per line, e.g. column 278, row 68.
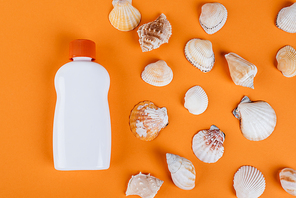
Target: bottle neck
column 82, row 59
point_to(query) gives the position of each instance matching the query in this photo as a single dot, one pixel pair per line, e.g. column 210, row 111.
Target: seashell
column 196, row 100
column 213, row 17
column 157, row 74
column 182, row 171
column 155, row 33
column 286, row 19
column 286, row 58
column 145, row 186
column 200, row 54
column 257, row 119
column 248, row 182
column 241, row 71
column 288, row 180
column 147, row 120
column 207, row 145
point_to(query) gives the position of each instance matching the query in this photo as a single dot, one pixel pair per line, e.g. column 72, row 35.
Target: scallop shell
column 200, row 54
column 248, row 182
column 241, row 71
column 145, row 186
column 288, row 180
column 257, row 119
column 286, row 58
column 207, row 145
column 213, row 17
column 157, row 74
column 182, row 171
column 147, row 120
column 196, row 100
column 286, row 19
column 124, row 16
column 155, row 33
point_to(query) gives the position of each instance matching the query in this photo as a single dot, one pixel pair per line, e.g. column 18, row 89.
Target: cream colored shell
column 288, row 180
column 286, row 19
column 196, row 100
column 286, row 58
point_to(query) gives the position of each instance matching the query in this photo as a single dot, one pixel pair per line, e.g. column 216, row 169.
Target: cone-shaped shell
column 286, row 19
column 257, row 119
column 200, row 54
column 196, row 100
column 157, row 74
column 182, row 171
column 288, row 180
column 248, row 182
column 286, row 58
column 213, row 17
column 147, row 120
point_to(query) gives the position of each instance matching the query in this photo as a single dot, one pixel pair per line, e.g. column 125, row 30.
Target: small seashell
column 207, row 145
column 196, row 100
column 213, row 17
column 155, row 33
column 241, row 71
column 145, row 186
column 200, row 54
column 157, row 74
column 182, row 171
column 286, row 58
column 124, row 16
column 257, row 119
column 147, row 120
column 286, row 19
column 288, row 180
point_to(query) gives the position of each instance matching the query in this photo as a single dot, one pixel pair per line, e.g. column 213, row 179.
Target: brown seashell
column 288, row 180
column 286, row 58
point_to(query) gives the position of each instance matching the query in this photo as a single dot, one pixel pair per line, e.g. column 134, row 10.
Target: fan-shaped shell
column 207, row 145
column 257, row 119
column 288, row 180
column 155, row 33
column 196, row 100
column 286, row 19
column 124, row 16
column 147, row 120
column 182, row 171
column 213, row 17
column 248, row 182
column 200, row 54
column 286, row 58
column 157, row 74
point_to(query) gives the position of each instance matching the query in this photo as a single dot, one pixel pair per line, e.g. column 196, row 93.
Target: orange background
column 34, row 39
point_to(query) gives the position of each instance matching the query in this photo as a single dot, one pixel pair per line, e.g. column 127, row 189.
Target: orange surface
column 35, row 38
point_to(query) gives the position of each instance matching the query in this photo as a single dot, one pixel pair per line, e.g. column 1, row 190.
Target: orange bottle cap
column 82, row 48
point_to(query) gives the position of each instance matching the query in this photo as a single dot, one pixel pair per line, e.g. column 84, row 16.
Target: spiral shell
column 196, row 100
column 288, row 180
column 286, row 19
column 286, row 58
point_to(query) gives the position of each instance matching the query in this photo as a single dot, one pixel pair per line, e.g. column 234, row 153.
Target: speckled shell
column 286, row 58
column 147, row 120
column 182, row 171
column 196, row 100
column 145, row 186
column 288, row 180
column 155, row 33
column 207, row 145
column 286, row 19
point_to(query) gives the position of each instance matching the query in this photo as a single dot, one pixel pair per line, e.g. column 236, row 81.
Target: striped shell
column 196, row 100
column 288, row 180
column 286, row 19
column 286, row 58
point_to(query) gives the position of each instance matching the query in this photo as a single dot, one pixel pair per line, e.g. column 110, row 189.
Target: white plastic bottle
column 82, row 129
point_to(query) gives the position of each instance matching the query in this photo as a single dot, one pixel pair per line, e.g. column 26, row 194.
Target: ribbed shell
column 257, row 119
column 286, row 19
column 196, row 100
column 207, row 145
column 288, row 180
column 286, row 58
column 248, row 182
column 200, row 54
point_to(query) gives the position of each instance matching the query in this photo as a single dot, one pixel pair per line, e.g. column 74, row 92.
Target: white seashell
column 182, row 171
column 157, row 74
column 196, row 100
column 288, row 180
column 200, row 54
column 286, row 19
column 248, row 182
column 286, row 58
column 207, row 145
column 213, row 17
column 145, row 186
column 257, row 119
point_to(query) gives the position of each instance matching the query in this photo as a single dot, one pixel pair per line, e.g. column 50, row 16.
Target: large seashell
column 182, row 171
column 288, row 180
column 241, row 71
column 147, row 120
column 196, row 100
column 286, row 19
column 145, row 186
column 286, row 58
column 155, row 33
column 157, row 74
column 200, row 54
column 207, row 145
column 248, row 182
column 257, row 119
column 213, row 17
column 124, row 16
